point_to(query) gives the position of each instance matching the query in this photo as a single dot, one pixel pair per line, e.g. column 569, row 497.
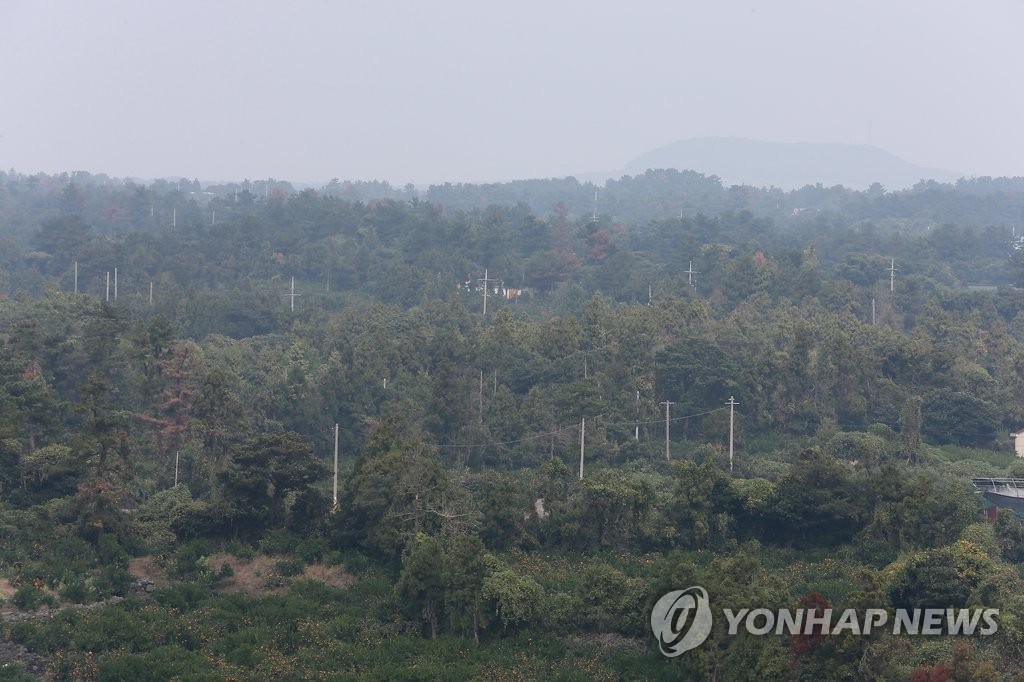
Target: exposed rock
column 12, row 654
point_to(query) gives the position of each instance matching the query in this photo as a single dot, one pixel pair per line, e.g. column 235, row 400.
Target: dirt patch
column 259, row 575
column 6, row 589
column 335, row 576
column 606, row 640
column 147, row 568
column 250, row 576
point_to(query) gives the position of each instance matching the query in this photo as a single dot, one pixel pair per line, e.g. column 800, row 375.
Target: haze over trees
column 464, row 541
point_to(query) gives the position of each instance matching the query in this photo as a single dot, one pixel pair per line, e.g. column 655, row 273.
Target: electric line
column 560, row 429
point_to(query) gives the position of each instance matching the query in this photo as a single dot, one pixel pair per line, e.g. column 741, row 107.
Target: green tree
column 421, row 585
column 701, row 505
column 465, row 572
column 817, row 503
column 516, row 600
column 270, row 480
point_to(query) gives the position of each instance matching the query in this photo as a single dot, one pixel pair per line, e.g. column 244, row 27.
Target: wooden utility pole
column 335, row 467
column 583, row 436
column 636, row 428
column 732, row 406
column 667, row 404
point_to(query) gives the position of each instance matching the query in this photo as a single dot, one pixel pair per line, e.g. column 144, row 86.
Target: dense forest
column 175, row 357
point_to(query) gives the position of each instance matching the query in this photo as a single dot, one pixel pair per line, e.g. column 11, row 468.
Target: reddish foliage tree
column 176, row 368
column 926, row 674
column 806, row 642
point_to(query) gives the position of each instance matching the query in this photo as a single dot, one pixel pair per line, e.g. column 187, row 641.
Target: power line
column 560, row 429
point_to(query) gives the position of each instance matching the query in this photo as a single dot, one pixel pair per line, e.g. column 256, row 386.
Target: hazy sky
column 432, row 91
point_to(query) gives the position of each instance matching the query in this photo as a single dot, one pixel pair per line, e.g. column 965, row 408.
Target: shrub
column 189, row 560
column 183, row 597
column 289, row 567
column 77, row 593
column 241, row 550
column 311, row 550
column 29, row 598
column 279, row 542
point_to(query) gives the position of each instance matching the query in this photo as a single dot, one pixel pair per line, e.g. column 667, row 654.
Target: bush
column 29, row 598
column 77, row 593
column 279, row 542
column 189, row 560
column 183, row 597
column 241, row 550
column 289, row 567
column 311, row 550
column 163, row 663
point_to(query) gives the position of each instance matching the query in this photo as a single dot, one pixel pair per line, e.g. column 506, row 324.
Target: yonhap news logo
column 681, row 620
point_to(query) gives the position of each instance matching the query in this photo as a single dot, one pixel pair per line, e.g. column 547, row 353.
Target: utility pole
column 690, row 272
column 292, row 295
column 583, row 436
column 636, row 428
column 213, row 217
column 892, row 275
column 732, row 406
column 108, row 286
column 595, row 207
column 650, row 294
column 667, row 404
column 76, row 277
column 176, row 453
column 174, row 217
column 151, row 293
column 872, row 311
column 335, row 466
column 115, row 284
column 480, row 397
column 487, row 285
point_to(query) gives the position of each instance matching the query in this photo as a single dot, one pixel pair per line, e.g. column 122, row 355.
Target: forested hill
column 789, row 164
column 395, row 245
column 874, row 342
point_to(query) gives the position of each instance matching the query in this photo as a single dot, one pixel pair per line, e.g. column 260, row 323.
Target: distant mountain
column 788, row 165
